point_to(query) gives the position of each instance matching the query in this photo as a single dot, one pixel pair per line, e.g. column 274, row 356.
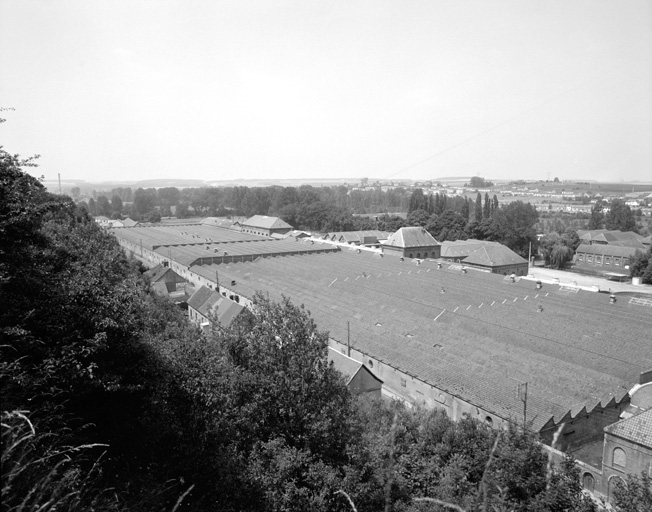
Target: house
column 359, row 379
column 167, row 283
column 412, row 242
column 627, row 450
column 206, row 305
column 490, row 256
column 603, row 257
column 264, row 225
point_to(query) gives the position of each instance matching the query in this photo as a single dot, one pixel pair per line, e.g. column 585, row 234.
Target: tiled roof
column 478, row 252
column 488, row 335
column 207, row 302
column 637, row 429
column 265, row 222
column 604, row 235
column 200, row 297
column 412, row 237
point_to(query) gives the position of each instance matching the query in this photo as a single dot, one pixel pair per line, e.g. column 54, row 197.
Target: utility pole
column 348, row 338
column 60, row 192
column 522, row 394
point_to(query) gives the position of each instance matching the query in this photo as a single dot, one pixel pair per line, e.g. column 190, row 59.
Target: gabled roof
column 604, row 235
column 129, row 223
column 348, row 366
column 265, row 222
column 208, row 302
column 155, row 273
column 637, row 429
column 478, row 252
column 200, row 297
column 411, row 237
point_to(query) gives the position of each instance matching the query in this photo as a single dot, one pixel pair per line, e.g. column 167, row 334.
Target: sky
column 208, row 89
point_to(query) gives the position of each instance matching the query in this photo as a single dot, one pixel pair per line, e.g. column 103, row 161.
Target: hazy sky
column 139, row 89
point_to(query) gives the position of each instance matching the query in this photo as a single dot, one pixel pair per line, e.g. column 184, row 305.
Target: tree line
column 112, row 400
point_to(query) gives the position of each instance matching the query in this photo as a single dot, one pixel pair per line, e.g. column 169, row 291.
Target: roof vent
column 378, row 324
column 438, row 345
column 409, row 335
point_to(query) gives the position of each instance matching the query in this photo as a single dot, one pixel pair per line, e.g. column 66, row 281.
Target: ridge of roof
column 414, row 236
column 263, row 221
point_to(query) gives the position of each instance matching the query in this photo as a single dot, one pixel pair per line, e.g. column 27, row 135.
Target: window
column 403, row 383
column 589, row 259
column 607, row 260
column 580, row 257
column 410, row 255
column 619, row 458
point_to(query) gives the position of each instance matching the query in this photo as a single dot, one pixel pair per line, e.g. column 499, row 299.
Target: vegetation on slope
column 113, row 401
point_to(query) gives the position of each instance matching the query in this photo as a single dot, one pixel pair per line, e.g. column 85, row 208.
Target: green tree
column 448, row 226
column 92, row 207
column 597, row 215
column 478, row 208
column 418, row 201
column 103, row 207
column 486, row 210
column 116, row 204
column 515, row 227
column 620, row 217
column 635, row 495
column 418, row 218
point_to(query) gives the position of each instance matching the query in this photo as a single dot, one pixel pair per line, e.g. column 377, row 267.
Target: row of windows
column 598, row 259
column 425, row 255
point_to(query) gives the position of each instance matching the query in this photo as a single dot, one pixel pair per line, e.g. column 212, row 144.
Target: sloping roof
column 608, row 236
column 348, row 366
column 478, row 252
column 200, row 297
column 265, row 222
column 129, row 223
column 605, row 250
column 490, row 336
column 159, row 271
column 637, row 429
column 411, row 237
column 207, row 302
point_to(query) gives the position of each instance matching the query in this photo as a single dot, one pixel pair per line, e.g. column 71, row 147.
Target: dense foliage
column 113, row 401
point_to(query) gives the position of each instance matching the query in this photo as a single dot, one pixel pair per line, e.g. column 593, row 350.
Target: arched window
column 418, row 255
column 410, row 255
column 588, row 482
column 619, row 458
column 614, row 482
column 488, row 420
